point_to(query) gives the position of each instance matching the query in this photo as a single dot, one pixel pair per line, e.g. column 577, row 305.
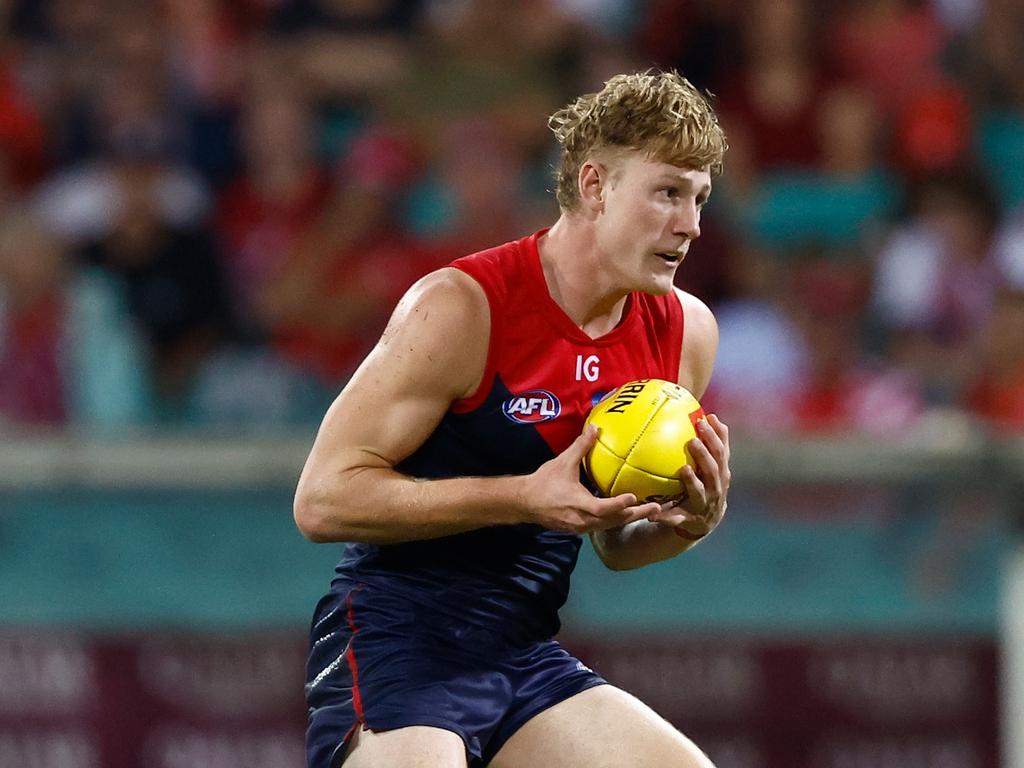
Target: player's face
column 651, row 214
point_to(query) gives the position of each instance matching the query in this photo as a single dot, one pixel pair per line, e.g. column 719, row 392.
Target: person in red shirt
column 33, row 325
column 337, row 286
column 997, row 392
column 277, row 199
column 464, row 515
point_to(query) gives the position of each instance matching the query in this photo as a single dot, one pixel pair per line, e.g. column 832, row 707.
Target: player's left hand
column 707, row 484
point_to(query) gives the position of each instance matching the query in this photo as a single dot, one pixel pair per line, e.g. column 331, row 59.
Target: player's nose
column 687, row 221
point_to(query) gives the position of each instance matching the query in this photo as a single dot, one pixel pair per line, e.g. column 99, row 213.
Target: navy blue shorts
column 376, row 664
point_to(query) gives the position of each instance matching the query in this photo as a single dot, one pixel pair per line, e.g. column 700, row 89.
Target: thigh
column 603, row 727
column 415, row 746
column 384, row 686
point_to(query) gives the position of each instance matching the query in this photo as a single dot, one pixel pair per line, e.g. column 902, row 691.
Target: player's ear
column 593, row 178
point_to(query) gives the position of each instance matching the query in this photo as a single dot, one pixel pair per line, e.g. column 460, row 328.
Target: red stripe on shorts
column 353, row 665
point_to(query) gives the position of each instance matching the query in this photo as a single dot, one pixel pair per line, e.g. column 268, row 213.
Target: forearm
column 638, row 544
column 382, row 506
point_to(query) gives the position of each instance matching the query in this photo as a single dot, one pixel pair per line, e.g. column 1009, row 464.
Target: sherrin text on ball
column 644, row 428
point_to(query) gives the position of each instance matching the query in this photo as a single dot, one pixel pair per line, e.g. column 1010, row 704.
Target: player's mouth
column 670, row 257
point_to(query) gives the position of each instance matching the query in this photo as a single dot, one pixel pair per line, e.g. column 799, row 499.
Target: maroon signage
column 166, row 701
column 847, row 703
column 220, row 701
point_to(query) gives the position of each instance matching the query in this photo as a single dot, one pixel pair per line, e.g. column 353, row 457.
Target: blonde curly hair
column 660, row 113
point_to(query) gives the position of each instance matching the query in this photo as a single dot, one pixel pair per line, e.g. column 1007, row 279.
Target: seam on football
column 639, row 434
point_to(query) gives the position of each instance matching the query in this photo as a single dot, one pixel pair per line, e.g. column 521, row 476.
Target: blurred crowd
column 208, row 208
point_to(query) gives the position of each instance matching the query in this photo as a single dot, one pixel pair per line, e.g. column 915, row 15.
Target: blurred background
column 208, row 209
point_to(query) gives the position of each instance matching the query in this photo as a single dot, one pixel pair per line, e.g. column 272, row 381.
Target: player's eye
column 670, row 192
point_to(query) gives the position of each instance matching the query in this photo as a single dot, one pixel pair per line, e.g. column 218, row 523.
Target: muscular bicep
column 432, row 353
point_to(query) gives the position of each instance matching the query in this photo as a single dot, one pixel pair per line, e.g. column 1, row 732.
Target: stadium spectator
column 81, row 203
column 761, row 349
column 935, row 281
column 842, row 389
column 991, row 57
column 346, row 52
column 831, row 111
column 170, row 276
column 996, row 394
column 838, row 202
column 1008, row 250
column 279, row 194
column 206, row 56
column 124, row 114
column 130, row 96
column 33, row 384
column 891, row 47
column 773, row 96
column 22, row 140
column 340, row 282
column 479, row 187
column 933, row 130
column 473, row 59
column 697, row 38
column 996, row 89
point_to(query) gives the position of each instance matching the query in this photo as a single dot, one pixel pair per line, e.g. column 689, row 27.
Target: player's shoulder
column 700, row 343
column 502, row 256
column 440, row 331
column 470, row 290
column 697, row 314
column 451, row 294
column 500, row 270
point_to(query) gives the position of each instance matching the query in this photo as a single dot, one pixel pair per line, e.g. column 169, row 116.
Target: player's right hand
column 553, row 496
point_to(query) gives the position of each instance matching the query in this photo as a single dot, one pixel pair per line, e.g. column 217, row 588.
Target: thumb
column 581, row 446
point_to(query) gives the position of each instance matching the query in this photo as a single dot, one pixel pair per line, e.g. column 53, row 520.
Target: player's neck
column 575, row 281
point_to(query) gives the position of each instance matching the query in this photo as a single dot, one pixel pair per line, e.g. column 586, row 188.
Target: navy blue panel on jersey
column 510, row 578
column 479, row 443
column 380, row 662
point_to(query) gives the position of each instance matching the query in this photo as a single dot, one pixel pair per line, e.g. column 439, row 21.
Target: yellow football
column 643, row 430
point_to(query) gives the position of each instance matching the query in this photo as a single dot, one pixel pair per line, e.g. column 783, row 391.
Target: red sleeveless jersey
column 552, row 370
column 542, row 376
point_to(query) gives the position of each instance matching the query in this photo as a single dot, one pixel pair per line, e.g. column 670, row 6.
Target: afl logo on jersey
column 532, row 407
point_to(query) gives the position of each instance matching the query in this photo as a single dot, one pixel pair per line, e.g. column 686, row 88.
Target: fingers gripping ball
column 643, row 431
